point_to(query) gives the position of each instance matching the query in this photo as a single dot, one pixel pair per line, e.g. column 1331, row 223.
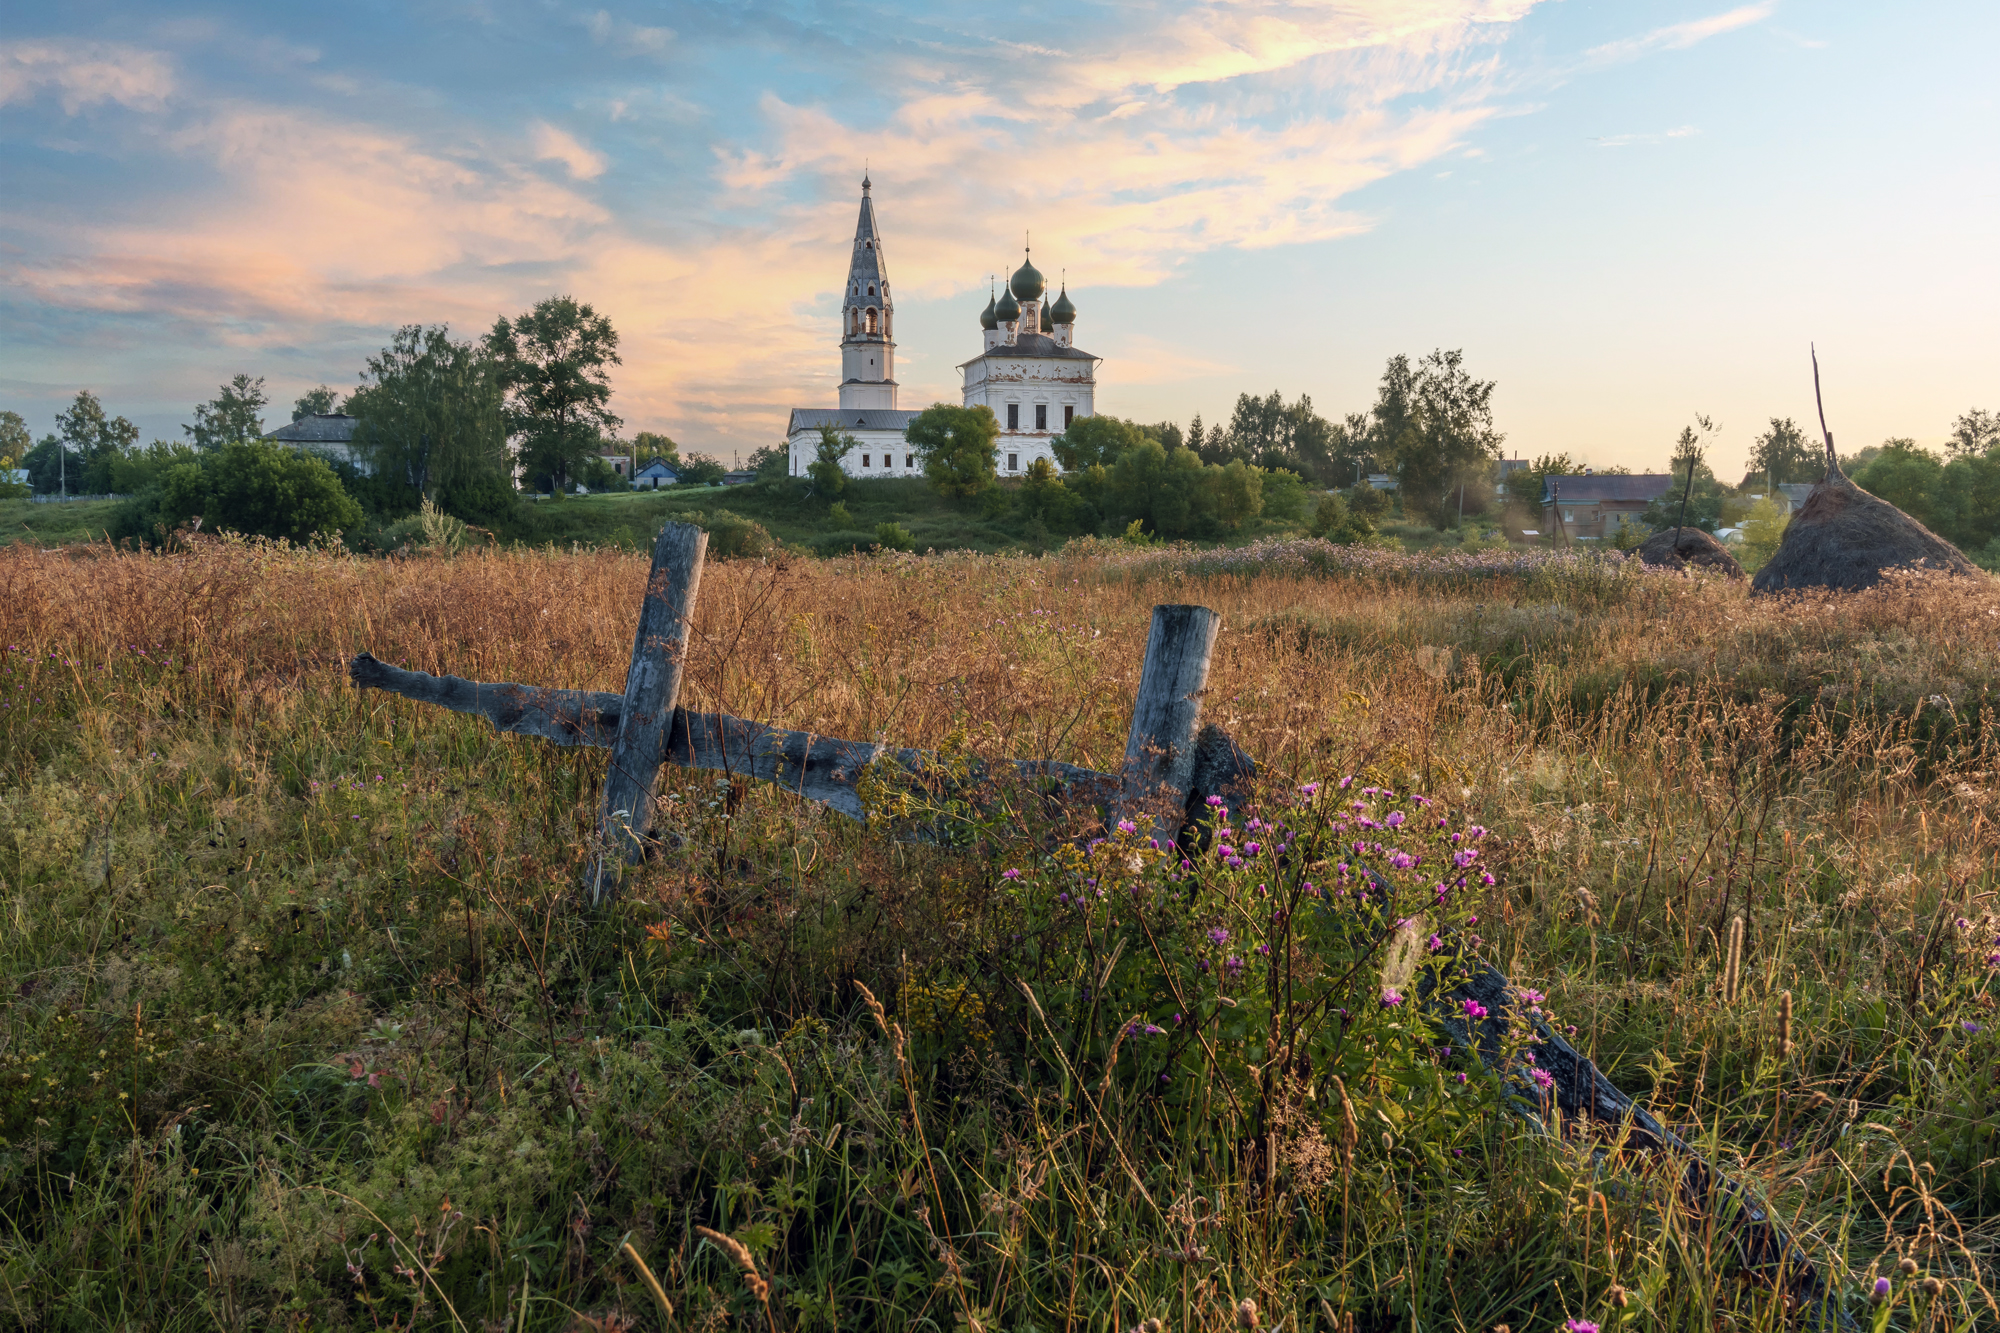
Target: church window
column 864, row 460
column 1013, row 416
column 1013, row 462
column 1069, row 415
column 871, row 289
column 909, row 460
column 1041, row 416
column 854, row 321
column 871, row 319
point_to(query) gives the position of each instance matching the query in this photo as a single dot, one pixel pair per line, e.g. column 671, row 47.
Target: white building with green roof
column 1030, row 373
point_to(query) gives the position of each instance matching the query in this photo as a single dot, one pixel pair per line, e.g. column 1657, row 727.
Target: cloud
column 84, row 74
column 1227, row 125
column 1627, row 140
column 554, row 145
column 629, row 38
column 1679, row 36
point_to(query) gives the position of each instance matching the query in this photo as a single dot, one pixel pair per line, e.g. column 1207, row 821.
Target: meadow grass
column 307, row 1027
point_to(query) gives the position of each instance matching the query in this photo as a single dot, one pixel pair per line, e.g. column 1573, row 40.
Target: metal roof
column 1034, row 346
column 850, row 418
column 1631, row 487
column 324, row 428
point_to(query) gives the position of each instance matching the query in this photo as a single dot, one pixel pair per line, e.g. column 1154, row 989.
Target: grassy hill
column 57, row 524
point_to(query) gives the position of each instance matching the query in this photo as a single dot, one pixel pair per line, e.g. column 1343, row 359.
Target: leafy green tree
column 1273, row 434
column 235, row 414
column 15, row 439
column 1763, row 530
column 650, row 446
column 1967, row 507
column 1045, row 499
column 250, row 486
column 1528, row 484
column 826, row 473
column 141, row 469
column 1907, row 477
column 892, row 536
column 1783, row 454
column 93, row 440
column 1434, row 422
column 433, row 423
column 1336, row 521
column 1973, row 434
column 318, row 402
column 701, row 470
column 554, row 364
column 1099, row 439
column 1232, row 494
column 1168, row 433
column 959, row 447
column 1285, row 496
column 51, row 467
column 1157, row 489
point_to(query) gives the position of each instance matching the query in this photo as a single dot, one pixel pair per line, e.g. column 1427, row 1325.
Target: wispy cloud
column 85, row 74
column 554, row 145
column 1679, row 36
column 1628, row 140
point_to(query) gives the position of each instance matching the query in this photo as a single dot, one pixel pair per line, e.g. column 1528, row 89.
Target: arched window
column 871, row 289
column 854, row 321
column 871, row 319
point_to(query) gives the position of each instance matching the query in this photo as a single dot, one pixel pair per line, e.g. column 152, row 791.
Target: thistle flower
column 1881, row 1291
column 1217, row 935
column 1579, row 1326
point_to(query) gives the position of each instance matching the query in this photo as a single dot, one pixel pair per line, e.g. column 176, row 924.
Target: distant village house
column 1591, row 507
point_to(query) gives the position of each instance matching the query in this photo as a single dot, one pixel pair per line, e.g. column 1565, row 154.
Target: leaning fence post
column 1159, row 754
column 652, row 688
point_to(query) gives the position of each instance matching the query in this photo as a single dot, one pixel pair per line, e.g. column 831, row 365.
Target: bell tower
column 867, row 319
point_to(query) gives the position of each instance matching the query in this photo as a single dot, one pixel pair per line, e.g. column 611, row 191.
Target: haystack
column 1677, row 548
column 1845, row 539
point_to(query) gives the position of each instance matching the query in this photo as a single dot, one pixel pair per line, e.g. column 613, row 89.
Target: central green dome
column 1027, row 284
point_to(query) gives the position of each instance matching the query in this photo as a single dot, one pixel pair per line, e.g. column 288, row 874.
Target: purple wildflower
column 1579, row 1326
column 1543, row 1079
column 1217, row 935
column 1395, row 819
column 1474, row 1009
column 1010, row 874
column 1390, row 999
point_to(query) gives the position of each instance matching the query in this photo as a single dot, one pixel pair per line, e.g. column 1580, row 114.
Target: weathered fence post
column 1160, row 752
column 652, row 689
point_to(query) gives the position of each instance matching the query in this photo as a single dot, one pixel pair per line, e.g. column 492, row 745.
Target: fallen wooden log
column 1580, row 1089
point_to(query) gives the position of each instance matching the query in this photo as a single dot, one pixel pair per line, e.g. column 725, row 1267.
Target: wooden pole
column 1160, row 752
column 652, row 689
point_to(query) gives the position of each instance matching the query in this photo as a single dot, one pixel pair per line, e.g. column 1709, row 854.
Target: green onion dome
column 1062, row 312
column 990, row 317
column 1008, row 310
column 1027, row 284
column 1048, row 326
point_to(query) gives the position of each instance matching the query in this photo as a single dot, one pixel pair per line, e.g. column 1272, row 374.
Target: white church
column 1030, row 373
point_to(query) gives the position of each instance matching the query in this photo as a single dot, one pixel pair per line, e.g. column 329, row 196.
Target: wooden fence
column 1171, row 766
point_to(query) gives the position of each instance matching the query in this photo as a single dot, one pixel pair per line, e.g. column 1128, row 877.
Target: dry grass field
column 305, row 1027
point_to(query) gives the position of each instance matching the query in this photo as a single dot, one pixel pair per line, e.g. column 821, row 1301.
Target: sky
column 1624, row 214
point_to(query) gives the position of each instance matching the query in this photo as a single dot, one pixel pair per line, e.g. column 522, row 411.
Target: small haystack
column 1845, row 539
column 1677, row 548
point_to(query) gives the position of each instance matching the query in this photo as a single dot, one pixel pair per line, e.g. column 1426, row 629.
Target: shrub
column 892, row 536
column 252, row 487
column 732, row 536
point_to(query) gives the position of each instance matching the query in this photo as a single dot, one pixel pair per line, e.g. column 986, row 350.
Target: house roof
column 322, row 428
column 656, row 469
column 849, row 418
column 1796, row 491
column 1631, row 487
column 1034, row 346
